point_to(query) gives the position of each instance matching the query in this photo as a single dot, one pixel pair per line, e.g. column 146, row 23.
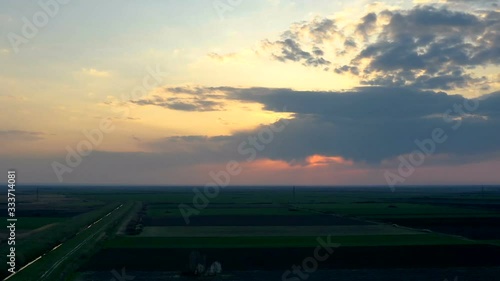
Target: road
column 50, row 270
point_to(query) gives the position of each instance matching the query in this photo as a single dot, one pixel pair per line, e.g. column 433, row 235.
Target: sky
column 261, row 92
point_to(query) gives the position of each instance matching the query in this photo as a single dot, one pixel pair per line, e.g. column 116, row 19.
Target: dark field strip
column 398, row 274
column 266, row 231
column 473, row 228
column 481, row 203
column 254, row 220
column 221, row 205
column 48, row 213
column 283, row 241
column 283, row 258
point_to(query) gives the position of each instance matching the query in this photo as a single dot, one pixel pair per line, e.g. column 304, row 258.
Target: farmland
column 268, row 230
column 262, row 232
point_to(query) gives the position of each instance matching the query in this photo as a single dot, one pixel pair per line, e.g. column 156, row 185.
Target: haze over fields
column 296, row 92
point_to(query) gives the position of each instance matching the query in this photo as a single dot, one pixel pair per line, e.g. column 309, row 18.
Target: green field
column 158, row 211
column 362, row 222
column 380, row 210
column 283, row 241
column 262, row 231
column 31, row 223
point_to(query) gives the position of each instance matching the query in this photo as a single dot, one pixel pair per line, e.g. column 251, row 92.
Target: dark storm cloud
column 427, row 35
column 361, row 103
column 372, row 124
column 432, row 48
column 426, row 47
column 367, row 124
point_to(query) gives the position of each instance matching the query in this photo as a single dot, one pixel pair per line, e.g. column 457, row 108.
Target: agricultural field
column 95, row 233
column 47, row 218
column 269, row 230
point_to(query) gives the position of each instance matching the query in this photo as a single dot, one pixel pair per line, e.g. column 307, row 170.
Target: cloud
column 186, row 99
column 19, row 135
column 313, row 34
column 426, row 47
column 290, row 50
column 221, row 57
column 182, row 104
column 364, row 125
column 432, row 48
column 95, row 72
column 367, row 26
column 476, row 3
